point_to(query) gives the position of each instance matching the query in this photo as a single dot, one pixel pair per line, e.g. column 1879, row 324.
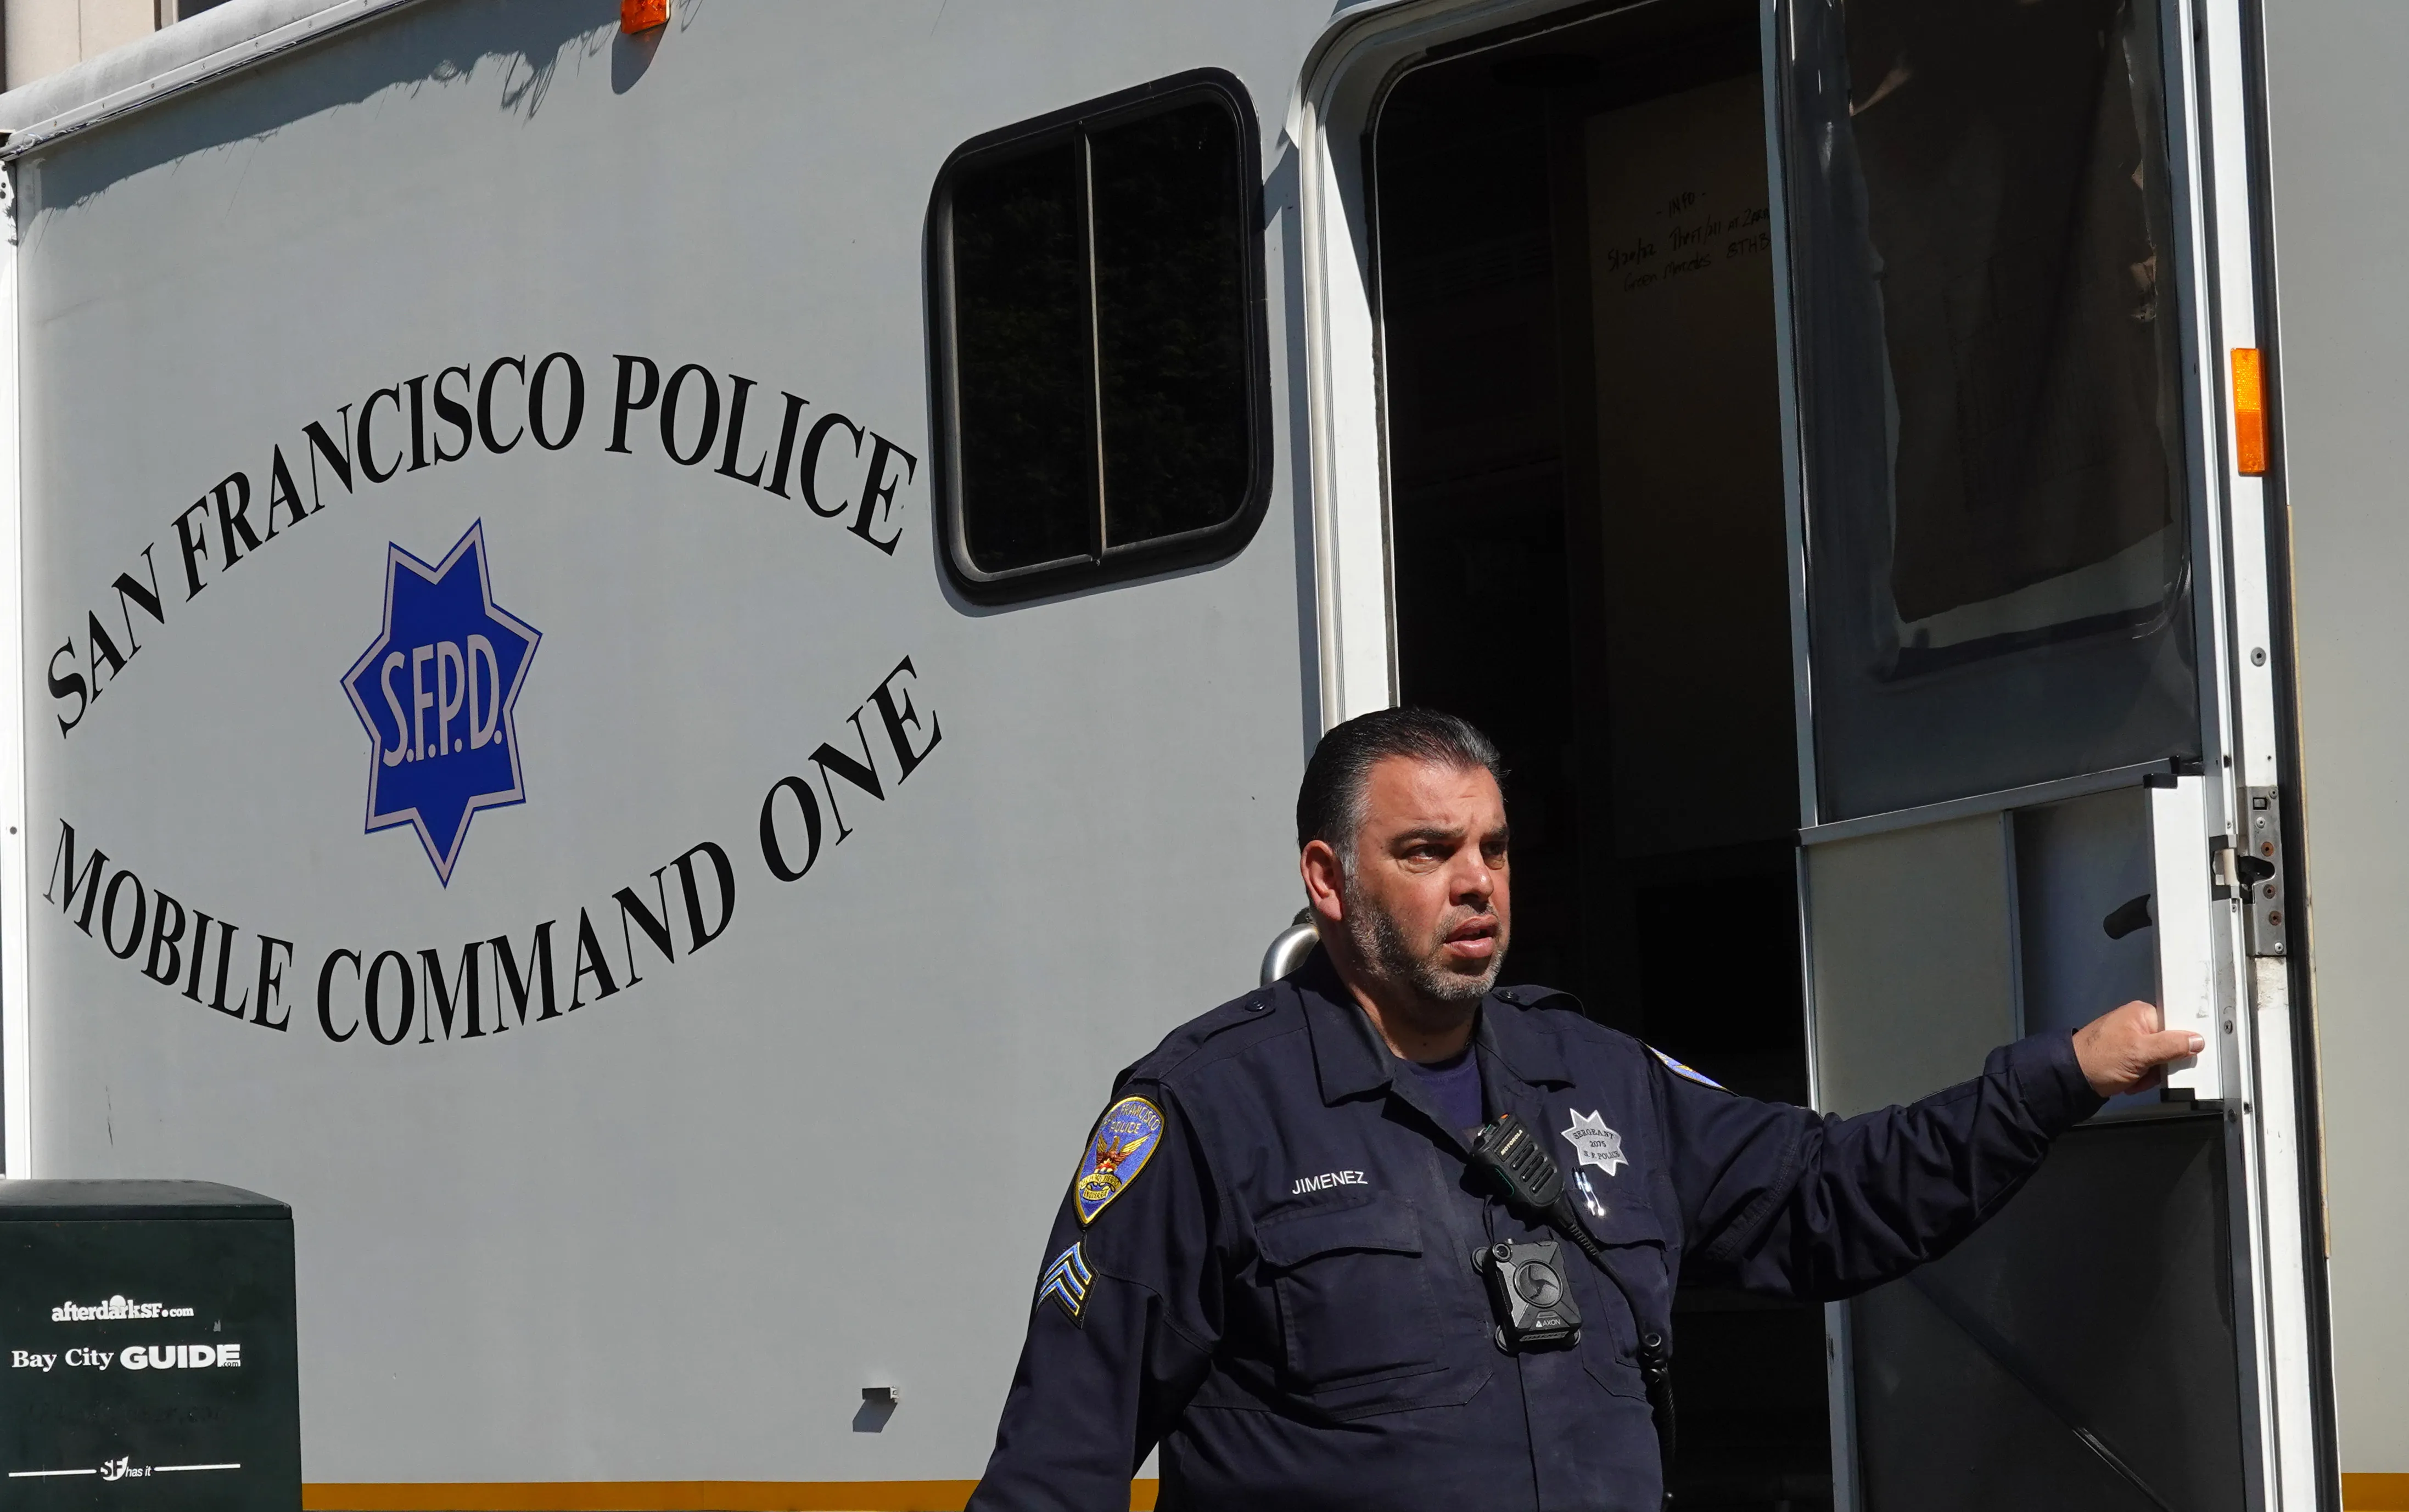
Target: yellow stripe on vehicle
column 657, row 1496
column 2374, row 1492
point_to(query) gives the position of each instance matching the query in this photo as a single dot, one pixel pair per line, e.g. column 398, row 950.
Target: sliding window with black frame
column 1097, row 341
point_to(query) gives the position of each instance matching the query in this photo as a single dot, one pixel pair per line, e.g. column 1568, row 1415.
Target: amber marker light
column 642, row 15
column 2249, row 414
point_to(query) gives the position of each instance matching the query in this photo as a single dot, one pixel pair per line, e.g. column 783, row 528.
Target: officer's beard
column 1380, row 940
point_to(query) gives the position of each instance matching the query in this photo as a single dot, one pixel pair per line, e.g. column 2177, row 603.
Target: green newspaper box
column 147, row 1355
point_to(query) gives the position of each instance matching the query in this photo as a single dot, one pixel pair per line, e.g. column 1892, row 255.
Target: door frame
column 1345, row 76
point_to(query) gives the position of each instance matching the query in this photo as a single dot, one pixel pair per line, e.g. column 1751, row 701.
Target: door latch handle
column 2127, row 917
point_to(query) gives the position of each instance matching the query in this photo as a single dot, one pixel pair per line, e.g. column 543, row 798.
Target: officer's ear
column 1325, row 880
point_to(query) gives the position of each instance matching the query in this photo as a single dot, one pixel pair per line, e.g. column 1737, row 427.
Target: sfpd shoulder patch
column 1679, row 1070
column 1124, row 1141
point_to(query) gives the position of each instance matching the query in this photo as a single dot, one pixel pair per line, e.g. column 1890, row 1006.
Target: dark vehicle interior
column 1587, row 516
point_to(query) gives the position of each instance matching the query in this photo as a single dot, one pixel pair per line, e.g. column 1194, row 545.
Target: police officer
column 1265, row 1263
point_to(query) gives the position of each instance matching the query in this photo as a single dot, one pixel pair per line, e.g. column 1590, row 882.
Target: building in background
column 38, row 38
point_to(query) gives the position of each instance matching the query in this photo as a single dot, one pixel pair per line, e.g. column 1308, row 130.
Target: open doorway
column 1587, row 516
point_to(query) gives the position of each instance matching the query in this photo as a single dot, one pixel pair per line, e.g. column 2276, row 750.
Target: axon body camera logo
column 437, row 690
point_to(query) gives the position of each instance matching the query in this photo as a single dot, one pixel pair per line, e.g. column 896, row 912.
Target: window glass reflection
column 1992, row 396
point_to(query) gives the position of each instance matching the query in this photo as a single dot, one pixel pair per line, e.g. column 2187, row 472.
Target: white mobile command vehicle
column 637, row 659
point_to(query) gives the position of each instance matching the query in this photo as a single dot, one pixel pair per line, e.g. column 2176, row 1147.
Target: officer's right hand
column 2126, row 1050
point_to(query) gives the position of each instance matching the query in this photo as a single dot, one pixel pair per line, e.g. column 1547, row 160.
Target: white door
column 2037, row 748
column 2037, row 757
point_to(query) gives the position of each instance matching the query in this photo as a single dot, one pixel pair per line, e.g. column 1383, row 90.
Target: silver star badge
column 1595, row 1144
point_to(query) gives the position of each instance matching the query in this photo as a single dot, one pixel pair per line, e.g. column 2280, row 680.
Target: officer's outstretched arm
column 1779, row 1200
column 1125, row 1316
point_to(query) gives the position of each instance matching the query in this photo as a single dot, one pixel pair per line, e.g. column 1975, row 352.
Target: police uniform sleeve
column 1778, row 1200
column 1124, row 1317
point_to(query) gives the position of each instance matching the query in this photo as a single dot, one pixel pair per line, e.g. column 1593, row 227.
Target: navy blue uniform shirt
column 1265, row 1266
column 1455, row 1086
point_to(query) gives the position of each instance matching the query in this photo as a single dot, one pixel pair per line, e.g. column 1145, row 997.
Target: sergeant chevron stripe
column 1066, row 1281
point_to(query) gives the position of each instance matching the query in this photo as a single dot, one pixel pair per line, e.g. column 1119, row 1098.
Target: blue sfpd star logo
column 436, row 691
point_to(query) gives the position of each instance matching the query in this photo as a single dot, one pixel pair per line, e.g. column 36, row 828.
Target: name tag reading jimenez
column 146, row 1336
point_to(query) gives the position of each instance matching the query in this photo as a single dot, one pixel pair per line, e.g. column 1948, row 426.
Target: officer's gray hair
column 1329, row 801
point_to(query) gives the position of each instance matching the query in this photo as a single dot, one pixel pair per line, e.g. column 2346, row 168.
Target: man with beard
column 1284, row 1262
